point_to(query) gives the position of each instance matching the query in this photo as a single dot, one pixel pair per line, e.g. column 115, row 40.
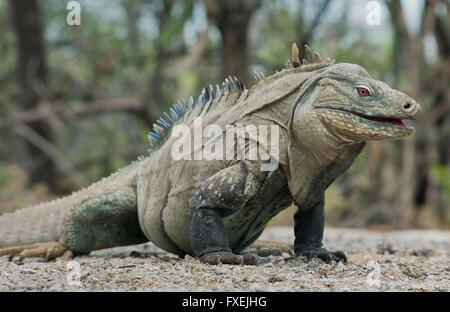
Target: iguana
column 214, row 209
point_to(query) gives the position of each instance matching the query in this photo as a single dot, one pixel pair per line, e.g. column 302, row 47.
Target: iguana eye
column 363, row 91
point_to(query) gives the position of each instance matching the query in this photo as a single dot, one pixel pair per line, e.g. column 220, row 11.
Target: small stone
column 384, row 248
column 434, row 273
column 56, row 287
column 424, row 252
column 84, row 275
column 286, row 255
column 24, row 286
column 279, row 262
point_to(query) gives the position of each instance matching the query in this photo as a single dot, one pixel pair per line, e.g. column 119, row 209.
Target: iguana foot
column 226, row 257
column 284, row 247
column 322, row 253
column 48, row 251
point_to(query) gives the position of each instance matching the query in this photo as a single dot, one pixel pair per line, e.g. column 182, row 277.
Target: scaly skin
column 213, row 209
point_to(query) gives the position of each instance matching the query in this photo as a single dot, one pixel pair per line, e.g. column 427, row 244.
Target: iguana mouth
column 392, row 121
column 396, row 122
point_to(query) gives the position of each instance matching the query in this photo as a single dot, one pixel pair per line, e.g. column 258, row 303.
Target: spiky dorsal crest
column 180, row 109
column 311, row 58
column 312, row 61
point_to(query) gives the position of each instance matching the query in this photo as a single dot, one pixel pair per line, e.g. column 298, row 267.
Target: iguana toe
column 226, row 257
column 340, row 255
column 264, row 244
column 250, row 259
column 48, row 251
column 323, row 254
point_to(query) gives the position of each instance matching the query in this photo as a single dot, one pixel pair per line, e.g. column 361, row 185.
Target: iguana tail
column 46, row 222
column 40, row 223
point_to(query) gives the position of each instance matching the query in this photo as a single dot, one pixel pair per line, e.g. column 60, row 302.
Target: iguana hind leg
column 103, row 221
column 100, row 221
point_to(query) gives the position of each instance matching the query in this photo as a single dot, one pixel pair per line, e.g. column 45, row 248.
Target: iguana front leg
column 221, row 195
column 308, row 229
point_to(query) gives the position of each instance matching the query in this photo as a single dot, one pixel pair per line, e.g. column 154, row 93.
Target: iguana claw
column 323, row 254
column 227, row 257
column 48, row 251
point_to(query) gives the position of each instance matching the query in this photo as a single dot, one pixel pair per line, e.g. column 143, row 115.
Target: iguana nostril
column 407, row 105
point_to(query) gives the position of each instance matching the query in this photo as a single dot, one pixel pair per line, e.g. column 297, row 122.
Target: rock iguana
column 213, row 209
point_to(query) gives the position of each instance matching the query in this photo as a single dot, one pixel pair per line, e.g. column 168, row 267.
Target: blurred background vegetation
column 76, row 102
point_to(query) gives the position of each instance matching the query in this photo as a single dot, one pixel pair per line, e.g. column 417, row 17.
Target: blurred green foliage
column 442, row 176
column 124, row 48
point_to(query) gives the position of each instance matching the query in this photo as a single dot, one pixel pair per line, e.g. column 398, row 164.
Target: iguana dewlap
column 213, row 209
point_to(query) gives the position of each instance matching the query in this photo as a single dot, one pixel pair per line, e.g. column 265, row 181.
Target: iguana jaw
column 361, row 127
column 396, row 122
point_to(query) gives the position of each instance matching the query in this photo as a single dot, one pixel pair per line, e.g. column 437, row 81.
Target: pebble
column 104, row 271
column 218, row 272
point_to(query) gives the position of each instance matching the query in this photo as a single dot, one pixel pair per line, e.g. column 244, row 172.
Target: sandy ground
column 413, row 260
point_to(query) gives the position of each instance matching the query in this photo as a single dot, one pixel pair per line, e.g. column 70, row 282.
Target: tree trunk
column 409, row 50
column 32, row 81
column 232, row 18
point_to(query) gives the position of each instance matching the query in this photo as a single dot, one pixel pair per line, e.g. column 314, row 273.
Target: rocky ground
column 414, row 260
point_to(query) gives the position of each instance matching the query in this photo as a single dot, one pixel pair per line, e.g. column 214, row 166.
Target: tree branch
column 307, row 38
column 103, row 106
column 53, row 152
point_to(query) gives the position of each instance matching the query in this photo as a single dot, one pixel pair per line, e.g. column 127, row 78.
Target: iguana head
column 349, row 103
